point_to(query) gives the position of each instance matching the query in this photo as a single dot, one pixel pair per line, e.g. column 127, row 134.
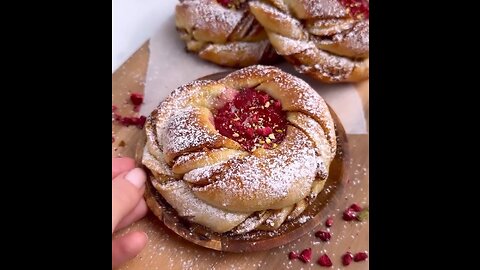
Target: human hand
column 128, row 206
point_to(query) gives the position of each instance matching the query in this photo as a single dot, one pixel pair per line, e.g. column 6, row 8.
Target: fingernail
column 137, row 177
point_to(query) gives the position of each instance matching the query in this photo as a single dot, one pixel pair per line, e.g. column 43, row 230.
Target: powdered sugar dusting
column 260, row 71
column 278, row 178
column 256, row 49
column 291, row 46
column 306, row 100
column 324, row 17
column 180, row 196
column 277, row 218
column 203, row 172
column 353, row 42
column 184, row 132
column 329, row 27
column 314, row 130
column 251, row 222
column 329, row 65
column 303, row 219
column 190, row 156
column 157, row 165
column 177, row 100
column 213, row 21
column 358, row 39
column 318, row 8
column 283, row 23
column 223, row 35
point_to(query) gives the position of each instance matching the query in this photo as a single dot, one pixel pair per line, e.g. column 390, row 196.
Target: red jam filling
column 357, row 8
column 253, row 119
column 231, row 3
column 224, row 2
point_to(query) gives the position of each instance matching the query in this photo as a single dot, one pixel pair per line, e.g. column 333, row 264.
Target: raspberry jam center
column 253, row 119
column 232, row 3
column 224, row 2
column 357, row 8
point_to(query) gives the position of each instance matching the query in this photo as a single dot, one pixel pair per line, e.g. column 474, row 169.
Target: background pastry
column 223, row 32
column 325, row 39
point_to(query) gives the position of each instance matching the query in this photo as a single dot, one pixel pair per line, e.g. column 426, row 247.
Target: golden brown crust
column 319, row 38
column 306, row 9
column 225, row 36
column 192, row 163
column 188, row 206
column 193, row 160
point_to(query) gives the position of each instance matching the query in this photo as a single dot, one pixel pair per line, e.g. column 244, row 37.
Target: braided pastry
column 325, row 39
column 246, row 152
column 223, row 32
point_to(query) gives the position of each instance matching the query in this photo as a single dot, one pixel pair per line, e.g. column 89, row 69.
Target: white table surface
column 133, row 23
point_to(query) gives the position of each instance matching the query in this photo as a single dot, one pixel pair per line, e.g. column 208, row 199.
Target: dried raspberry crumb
column 141, row 121
column 117, row 117
column 277, row 104
column 329, row 222
column 324, row 260
column 347, row 258
column 136, row 98
column 349, row 214
column 360, row 256
column 355, row 207
column 306, row 255
column 323, row 235
column 131, row 121
column 224, row 2
column 292, row 255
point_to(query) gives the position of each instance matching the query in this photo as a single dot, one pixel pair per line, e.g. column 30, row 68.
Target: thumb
column 127, row 191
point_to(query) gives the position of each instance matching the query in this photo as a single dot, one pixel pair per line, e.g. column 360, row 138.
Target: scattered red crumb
column 292, row 255
column 347, row 258
column 324, row 260
column 349, row 214
column 355, row 207
column 323, row 235
column 306, row 255
column 131, row 120
column 136, row 98
column 360, row 256
column 354, row 211
column 329, row 222
column 136, row 121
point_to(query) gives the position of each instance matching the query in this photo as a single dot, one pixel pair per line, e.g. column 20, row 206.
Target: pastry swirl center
column 254, row 119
